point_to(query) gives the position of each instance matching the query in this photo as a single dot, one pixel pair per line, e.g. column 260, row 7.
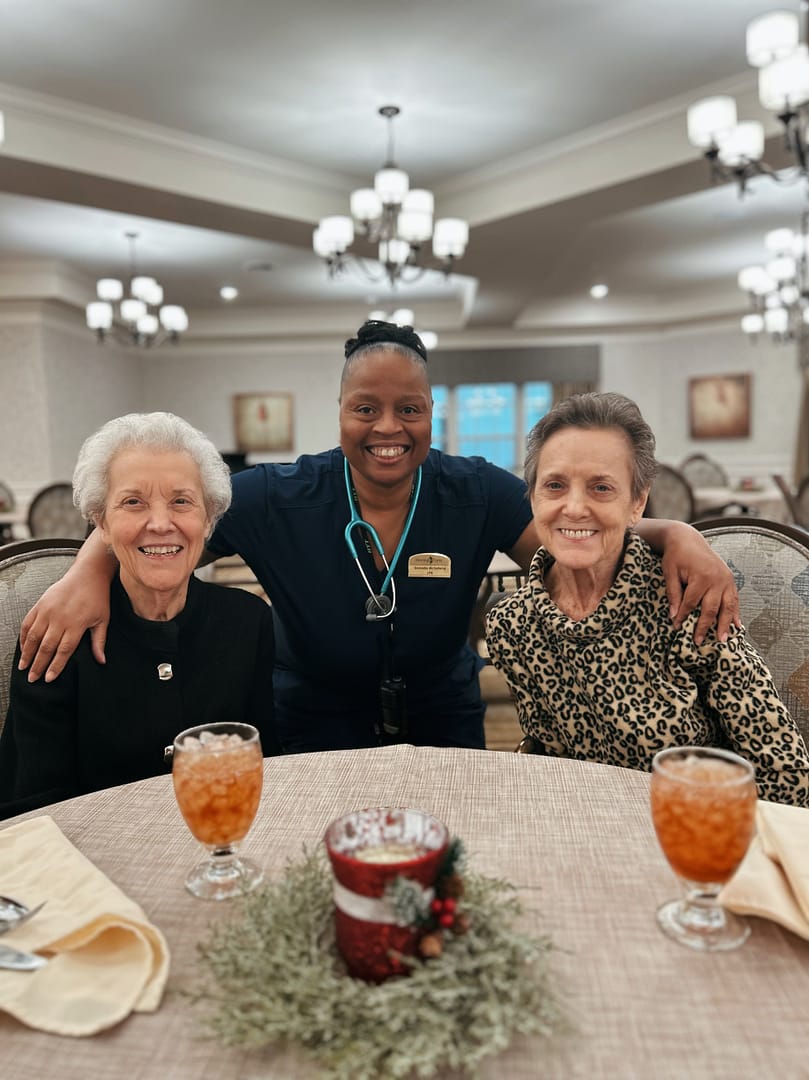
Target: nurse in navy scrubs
column 372, row 555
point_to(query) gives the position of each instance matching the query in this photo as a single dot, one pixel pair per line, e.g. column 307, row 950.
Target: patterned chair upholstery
column 27, row 568
column 52, row 513
column 700, row 471
column 770, row 563
column 671, row 496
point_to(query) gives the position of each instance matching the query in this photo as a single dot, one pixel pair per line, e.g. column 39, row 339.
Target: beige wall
column 655, row 372
column 57, row 385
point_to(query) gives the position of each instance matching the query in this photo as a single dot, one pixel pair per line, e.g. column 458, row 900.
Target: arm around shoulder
column 79, row 601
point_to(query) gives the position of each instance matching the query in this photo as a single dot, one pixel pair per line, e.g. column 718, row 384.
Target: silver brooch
column 164, row 672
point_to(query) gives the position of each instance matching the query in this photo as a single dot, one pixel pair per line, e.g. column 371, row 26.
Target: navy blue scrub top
column 287, row 522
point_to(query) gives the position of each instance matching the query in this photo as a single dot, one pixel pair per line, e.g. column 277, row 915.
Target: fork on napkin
column 107, row 958
column 773, row 880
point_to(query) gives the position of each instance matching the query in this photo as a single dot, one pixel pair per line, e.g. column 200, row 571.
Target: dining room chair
column 52, row 513
column 802, row 504
column 788, row 496
column 7, row 504
column 770, row 565
column 671, row 496
column 27, row 568
column 701, row 471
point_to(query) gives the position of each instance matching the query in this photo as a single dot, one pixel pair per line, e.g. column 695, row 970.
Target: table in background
column 575, row 836
column 766, row 502
column 8, row 520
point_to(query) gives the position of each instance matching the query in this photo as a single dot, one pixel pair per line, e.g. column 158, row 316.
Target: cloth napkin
column 773, row 880
column 108, row 959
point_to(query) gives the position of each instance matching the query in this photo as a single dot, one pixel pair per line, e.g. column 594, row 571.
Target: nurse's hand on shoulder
column 53, row 628
column 696, row 577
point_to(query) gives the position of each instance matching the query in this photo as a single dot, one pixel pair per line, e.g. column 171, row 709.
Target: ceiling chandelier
column 735, row 150
column 396, row 217
column 405, row 317
column 147, row 319
column 779, row 290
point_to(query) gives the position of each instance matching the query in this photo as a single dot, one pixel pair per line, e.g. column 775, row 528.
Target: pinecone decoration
column 450, row 886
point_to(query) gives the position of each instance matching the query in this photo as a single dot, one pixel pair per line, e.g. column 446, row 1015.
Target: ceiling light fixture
column 396, row 217
column 598, row 292
column 405, row 317
column 735, row 150
column 779, row 289
column 228, row 293
column 148, row 320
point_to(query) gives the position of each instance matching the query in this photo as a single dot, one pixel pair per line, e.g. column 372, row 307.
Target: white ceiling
column 221, row 133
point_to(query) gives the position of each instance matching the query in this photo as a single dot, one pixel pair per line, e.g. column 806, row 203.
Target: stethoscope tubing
column 357, row 521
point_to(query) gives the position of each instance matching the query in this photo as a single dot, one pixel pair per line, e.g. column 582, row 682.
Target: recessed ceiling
column 221, row 132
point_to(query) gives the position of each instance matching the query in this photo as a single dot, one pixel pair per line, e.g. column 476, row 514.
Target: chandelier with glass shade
column 396, row 217
column 147, row 320
column 735, row 149
column 405, row 317
column 779, row 289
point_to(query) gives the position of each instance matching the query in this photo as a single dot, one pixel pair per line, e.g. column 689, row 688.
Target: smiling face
column 156, row 523
column 385, row 417
column 582, row 499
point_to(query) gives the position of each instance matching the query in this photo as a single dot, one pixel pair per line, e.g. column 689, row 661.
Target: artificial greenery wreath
column 274, row 976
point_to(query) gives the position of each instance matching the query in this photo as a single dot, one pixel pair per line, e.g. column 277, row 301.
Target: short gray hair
column 597, row 411
column 155, row 431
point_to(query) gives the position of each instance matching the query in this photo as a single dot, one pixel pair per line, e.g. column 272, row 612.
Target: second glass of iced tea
column 218, row 771
column 704, row 810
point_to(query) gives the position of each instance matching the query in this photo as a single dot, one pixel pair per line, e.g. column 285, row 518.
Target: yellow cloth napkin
column 773, row 880
column 108, row 958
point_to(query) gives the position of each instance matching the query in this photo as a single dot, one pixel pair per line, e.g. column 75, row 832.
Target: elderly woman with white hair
column 180, row 651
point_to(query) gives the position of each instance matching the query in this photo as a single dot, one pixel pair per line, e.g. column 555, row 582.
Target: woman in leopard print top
column 597, row 668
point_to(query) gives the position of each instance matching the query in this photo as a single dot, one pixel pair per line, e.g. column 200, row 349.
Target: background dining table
column 764, row 501
column 574, row 837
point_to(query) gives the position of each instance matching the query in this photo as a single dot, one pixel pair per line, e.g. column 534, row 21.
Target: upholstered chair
column 27, row 568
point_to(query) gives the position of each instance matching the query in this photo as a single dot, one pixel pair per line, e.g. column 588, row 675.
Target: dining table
column 12, row 524
column 764, row 501
column 576, row 840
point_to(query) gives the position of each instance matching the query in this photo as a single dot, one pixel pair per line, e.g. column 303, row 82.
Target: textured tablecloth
column 576, row 836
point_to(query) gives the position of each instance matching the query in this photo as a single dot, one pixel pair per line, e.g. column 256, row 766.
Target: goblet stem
column 698, row 921
column 223, row 875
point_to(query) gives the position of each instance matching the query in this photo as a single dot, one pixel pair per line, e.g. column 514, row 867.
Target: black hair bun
column 377, row 332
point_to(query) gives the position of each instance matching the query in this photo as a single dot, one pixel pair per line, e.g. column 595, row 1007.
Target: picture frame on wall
column 719, row 406
column 263, row 421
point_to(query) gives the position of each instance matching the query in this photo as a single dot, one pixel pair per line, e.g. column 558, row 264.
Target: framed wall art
column 719, row 407
column 263, row 421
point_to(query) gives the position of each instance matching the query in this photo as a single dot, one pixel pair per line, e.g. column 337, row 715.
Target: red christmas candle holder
column 368, row 849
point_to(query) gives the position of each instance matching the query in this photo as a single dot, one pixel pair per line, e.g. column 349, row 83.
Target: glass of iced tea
column 218, row 771
column 704, row 810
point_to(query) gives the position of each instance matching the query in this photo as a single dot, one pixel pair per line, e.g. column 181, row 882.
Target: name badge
column 429, row 564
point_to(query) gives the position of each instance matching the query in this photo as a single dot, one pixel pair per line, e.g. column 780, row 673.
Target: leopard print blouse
column 623, row 683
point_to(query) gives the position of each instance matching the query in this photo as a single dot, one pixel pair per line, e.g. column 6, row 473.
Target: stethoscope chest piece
column 377, row 607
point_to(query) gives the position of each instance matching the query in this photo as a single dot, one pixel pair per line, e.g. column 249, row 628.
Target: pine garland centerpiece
column 273, row 976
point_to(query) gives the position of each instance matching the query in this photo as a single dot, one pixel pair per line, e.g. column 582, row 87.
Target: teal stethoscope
column 378, row 605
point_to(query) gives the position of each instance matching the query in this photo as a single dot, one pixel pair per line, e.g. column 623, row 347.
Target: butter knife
column 16, row 960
